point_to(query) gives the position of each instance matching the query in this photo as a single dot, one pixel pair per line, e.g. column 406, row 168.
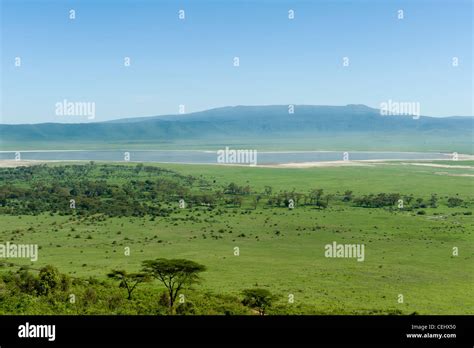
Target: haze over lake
column 210, row 157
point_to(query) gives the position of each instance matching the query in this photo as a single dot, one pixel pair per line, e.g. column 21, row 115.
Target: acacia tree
column 347, row 196
column 433, row 200
column 408, row 199
column 316, row 196
column 175, row 274
column 268, row 190
column 129, row 281
column 255, row 201
column 259, row 299
column 237, row 200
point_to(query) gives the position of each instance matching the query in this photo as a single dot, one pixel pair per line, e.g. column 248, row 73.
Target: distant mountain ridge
column 243, row 122
column 239, row 111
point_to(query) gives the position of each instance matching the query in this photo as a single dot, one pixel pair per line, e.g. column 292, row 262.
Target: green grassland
column 282, row 250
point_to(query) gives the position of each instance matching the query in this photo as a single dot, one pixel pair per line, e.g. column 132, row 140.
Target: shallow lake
column 209, row 157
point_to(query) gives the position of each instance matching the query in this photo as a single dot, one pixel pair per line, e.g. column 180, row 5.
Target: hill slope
column 255, row 125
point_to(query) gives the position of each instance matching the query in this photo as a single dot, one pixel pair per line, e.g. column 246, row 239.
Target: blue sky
column 190, row 61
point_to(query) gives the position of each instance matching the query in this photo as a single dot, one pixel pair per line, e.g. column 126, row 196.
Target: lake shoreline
column 7, row 163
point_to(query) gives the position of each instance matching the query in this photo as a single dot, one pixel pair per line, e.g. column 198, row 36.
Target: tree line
column 143, row 190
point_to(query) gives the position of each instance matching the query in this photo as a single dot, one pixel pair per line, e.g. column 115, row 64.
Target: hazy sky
column 190, row 61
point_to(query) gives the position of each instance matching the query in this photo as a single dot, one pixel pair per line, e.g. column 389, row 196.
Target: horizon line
column 228, row 106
